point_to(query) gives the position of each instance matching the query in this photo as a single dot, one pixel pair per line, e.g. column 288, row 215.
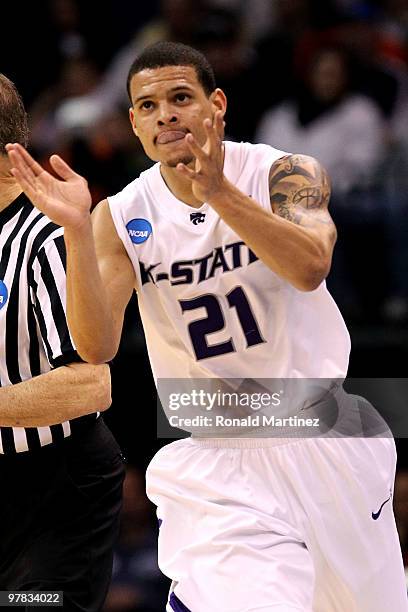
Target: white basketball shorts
column 278, row 525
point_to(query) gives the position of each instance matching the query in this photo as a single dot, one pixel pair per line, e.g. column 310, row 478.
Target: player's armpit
column 299, row 189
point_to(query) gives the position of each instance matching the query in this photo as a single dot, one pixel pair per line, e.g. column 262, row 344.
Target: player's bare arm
column 96, row 294
column 299, row 190
column 297, row 241
column 68, row 392
column 116, row 273
column 100, row 280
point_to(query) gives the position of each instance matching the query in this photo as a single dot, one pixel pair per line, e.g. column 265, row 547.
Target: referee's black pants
column 59, row 515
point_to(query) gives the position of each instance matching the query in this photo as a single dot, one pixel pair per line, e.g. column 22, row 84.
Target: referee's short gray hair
column 13, row 117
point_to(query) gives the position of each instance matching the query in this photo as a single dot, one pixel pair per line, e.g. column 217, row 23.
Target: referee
column 61, row 470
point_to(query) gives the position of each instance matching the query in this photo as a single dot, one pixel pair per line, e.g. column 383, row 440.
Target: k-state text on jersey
column 224, row 258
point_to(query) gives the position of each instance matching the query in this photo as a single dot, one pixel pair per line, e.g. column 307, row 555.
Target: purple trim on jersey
column 176, row 604
column 160, row 522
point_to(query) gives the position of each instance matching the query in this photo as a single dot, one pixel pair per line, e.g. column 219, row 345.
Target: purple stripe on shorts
column 177, row 605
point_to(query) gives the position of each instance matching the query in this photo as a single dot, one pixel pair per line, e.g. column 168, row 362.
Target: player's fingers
column 18, row 162
column 25, row 157
column 187, row 172
column 219, row 123
column 61, row 168
column 26, row 185
column 214, row 129
column 23, row 170
column 212, row 136
column 218, row 127
column 195, row 148
column 35, row 193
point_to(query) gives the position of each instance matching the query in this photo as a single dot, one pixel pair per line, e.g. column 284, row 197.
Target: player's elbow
column 313, row 276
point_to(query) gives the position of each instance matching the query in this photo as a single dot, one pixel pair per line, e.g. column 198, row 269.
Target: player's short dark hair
column 13, row 117
column 166, row 53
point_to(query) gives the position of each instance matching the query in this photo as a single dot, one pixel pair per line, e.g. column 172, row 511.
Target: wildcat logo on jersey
column 221, row 259
column 197, row 218
column 3, row 294
column 139, row 230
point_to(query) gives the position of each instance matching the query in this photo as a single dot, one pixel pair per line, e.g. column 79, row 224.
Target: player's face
column 168, row 103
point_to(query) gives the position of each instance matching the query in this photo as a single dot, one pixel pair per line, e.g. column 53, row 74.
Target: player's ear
column 132, row 120
column 219, row 100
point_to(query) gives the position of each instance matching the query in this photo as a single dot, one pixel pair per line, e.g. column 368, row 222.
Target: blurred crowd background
column 327, row 78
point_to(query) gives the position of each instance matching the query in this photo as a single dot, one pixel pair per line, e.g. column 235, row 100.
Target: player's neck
column 179, row 186
column 9, row 188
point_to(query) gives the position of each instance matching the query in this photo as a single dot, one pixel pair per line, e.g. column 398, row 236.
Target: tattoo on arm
column 299, row 189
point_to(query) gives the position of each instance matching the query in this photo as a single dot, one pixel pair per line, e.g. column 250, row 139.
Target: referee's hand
column 65, row 200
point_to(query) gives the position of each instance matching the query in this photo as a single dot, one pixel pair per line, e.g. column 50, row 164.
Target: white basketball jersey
column 209, row 306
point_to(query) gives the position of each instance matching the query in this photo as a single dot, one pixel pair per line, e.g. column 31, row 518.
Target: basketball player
column 228, row 245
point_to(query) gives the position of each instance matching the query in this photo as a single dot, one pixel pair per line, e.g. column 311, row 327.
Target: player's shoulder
column 252, row 158
column 106, row 230
column 300, row 165
column 252, row 151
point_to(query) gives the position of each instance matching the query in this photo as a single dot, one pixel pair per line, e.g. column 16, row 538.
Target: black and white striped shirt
column 34, row 336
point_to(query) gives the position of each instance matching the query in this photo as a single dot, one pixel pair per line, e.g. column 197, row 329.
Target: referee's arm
column 60, row 395
column 70, row 389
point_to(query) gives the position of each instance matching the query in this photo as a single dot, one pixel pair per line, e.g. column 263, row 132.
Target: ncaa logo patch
column 139, row 230
column 3, row 294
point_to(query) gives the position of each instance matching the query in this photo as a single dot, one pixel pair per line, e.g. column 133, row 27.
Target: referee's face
column 168, row 103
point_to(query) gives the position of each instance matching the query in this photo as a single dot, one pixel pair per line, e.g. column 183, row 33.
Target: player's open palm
column 65, row 200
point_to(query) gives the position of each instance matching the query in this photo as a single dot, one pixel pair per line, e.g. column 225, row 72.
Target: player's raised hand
column 65, row 200
column 208, row 176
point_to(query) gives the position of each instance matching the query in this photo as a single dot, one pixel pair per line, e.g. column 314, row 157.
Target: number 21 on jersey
column 214, row 321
